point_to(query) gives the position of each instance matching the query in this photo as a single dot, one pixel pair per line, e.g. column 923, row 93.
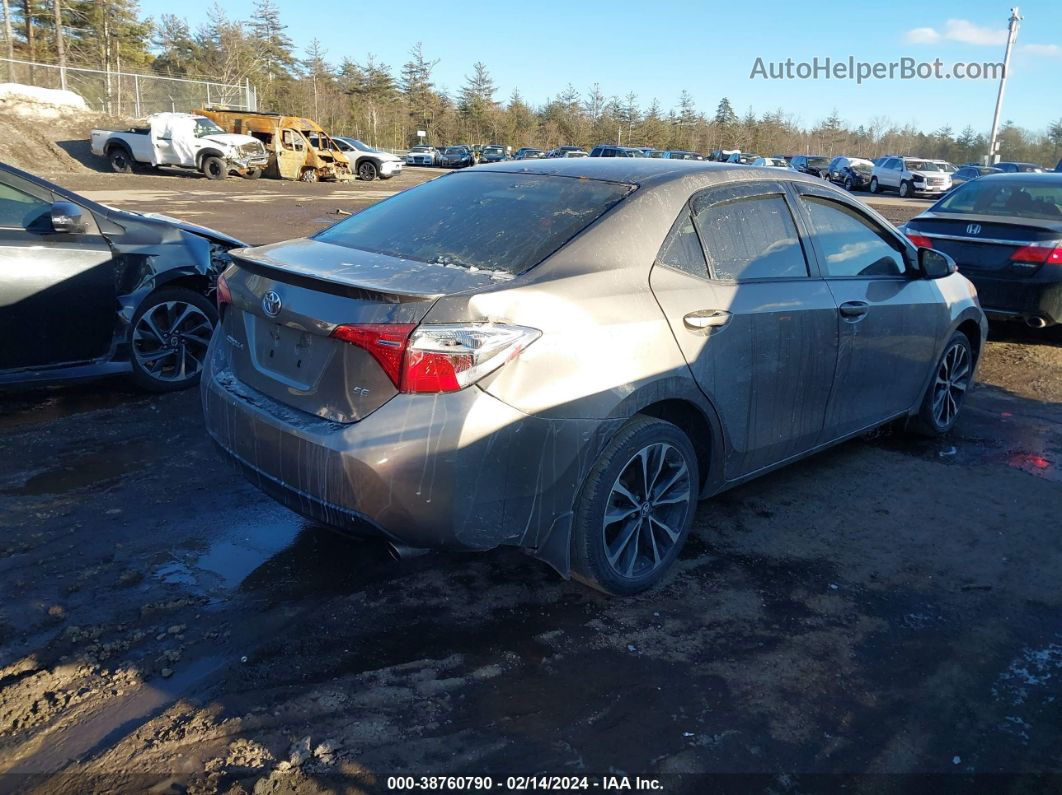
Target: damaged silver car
column 566, row 355
column 88, row 290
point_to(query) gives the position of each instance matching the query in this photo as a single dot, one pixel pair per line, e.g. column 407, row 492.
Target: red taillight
column 1038, row 255
column 438, row 358
column 224, row 295
column 433, row 372
column 919, row 241
column 385, row 342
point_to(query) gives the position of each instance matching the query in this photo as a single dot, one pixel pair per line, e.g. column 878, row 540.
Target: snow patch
column 39, row 103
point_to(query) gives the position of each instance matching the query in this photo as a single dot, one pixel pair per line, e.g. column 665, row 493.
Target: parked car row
column 219, row 142
column 425, row 155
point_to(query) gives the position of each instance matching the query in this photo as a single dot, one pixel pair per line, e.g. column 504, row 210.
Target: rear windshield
column 487, row 220
column 1005, row 198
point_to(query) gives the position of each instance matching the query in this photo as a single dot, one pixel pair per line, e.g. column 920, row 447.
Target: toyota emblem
column 271, row 303
column 973, row 229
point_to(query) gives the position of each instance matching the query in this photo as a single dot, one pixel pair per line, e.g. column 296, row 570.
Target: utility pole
column 1012, row 35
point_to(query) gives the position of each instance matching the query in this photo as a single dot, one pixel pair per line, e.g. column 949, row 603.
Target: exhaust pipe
column 402, row 552
column 1035, row 322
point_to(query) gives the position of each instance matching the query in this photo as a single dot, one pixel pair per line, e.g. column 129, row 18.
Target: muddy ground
column 891, row 606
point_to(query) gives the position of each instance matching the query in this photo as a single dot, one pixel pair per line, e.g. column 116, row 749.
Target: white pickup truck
column 183, row 140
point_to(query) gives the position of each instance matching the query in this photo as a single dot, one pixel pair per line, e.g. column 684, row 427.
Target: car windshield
column 486, row 220
column 860, row 165
column 492, row 150
column 419, row 149
column 818, row 162
column 364, row 147
column 921, row 165
column 1006, row 198
column 204, row 127
column 456, row 150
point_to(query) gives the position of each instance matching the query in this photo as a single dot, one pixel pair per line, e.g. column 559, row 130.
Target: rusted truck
column 298, row 148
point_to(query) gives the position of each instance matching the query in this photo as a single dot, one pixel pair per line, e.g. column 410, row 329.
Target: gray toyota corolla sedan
column 565, row 355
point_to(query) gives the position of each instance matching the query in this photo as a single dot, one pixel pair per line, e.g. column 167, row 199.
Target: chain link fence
column 130, row 94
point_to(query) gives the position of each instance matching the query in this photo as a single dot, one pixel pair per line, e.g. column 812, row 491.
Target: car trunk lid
column 288, row 298
column 984, row 244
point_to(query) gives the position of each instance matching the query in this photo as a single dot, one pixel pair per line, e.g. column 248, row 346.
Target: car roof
column 640, row 170
column 1024, row 178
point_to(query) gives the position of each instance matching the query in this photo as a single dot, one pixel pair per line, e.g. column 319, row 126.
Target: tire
column 214, row 167
column 905, row 189
column 848, row 184
column 367, row 170
column 308, row 175
column 121, row 161
column 633, row 552
column 874, row 185
column 252, row 173
column 947, row 389
column 168, row 339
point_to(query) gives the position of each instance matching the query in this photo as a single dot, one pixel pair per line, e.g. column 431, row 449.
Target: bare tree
column 60, row 43
column 9, row 37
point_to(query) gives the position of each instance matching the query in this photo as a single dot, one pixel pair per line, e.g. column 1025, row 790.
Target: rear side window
column 487, row 220
column 750, row 238
column 850, row 245
column 682, row 249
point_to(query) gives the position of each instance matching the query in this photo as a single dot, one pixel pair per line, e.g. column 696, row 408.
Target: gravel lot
column 891, row 606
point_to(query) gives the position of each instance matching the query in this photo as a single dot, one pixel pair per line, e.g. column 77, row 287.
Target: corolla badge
column 271, row 303
column 973, row 229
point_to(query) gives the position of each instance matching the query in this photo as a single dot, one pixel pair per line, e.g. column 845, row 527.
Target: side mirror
column 935, row 264
column 67, row 218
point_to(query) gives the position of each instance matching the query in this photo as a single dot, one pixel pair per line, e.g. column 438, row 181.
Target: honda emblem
column 973, row 229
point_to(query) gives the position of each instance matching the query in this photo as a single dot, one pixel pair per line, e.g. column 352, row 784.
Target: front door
column 57, row 291
column 291, row 154
column 889, row 319
column 756, row 325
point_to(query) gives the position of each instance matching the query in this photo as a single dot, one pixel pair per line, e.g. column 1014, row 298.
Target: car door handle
column 853, row 310
column 706, row 319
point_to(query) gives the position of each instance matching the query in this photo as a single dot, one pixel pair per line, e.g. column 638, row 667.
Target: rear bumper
column 456, row 470
column 1018, row 299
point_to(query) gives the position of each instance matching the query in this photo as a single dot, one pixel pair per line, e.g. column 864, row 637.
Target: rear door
column 889, row 320
column 755, row 324
column 57, row 291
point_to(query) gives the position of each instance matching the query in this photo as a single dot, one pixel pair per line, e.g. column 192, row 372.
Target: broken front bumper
column 460, row 469
column 252, row 161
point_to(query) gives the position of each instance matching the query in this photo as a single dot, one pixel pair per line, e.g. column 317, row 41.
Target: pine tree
column 724, row 113
column 177, row 50
column 275, row 46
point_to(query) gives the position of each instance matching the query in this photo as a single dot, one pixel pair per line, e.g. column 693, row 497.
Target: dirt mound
column 47, row 132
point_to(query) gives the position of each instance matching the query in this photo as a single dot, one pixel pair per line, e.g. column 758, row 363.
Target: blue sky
column 708, row 48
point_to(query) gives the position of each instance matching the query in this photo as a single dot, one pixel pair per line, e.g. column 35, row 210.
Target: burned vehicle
column 567, row 354
column 298, row 148
column 87, row 290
